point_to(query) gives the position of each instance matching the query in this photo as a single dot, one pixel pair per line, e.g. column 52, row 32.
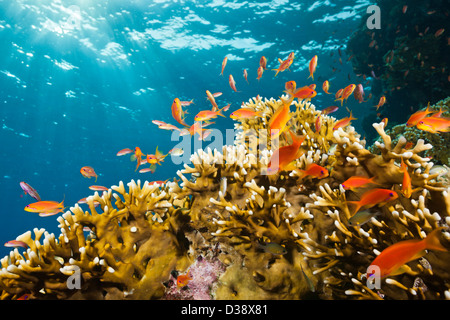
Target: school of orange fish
column 390, row 260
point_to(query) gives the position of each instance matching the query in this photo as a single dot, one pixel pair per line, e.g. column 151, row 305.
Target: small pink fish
column 30, row 190
column 151, row 169
column 98, row 188
column 15, row 244
column 245, row 75
column 359, row 93
column 224, row 63
column 186, row 103
column 125, row 151
column 329, row 110
column 232, row 83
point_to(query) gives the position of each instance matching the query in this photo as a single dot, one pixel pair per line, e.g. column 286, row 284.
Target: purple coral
column 205, row 273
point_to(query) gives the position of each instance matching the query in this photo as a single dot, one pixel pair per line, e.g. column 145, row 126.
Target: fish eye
column 391, row 194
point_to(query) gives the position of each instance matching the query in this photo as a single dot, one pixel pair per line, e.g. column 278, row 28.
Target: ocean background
column 82, row 79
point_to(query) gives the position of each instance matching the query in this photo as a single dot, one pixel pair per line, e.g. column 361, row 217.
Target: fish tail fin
column 296, row 139
column 351, row 117
column 372, row 180
column 432, row 241
column 62, row 202
column 357, row 206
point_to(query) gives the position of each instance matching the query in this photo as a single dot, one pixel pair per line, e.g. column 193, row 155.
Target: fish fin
column 400, row 270
column 296, row 139
column 432, row 240
column 291, row 166
column 358, row 206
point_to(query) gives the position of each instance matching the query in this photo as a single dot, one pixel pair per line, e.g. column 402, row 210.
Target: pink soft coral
column 204, row 272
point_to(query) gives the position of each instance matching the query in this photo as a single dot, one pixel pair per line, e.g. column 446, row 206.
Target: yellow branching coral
column 135, row 243
column 281, row 236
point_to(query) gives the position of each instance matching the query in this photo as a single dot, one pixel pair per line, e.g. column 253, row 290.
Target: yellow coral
column 226, row 201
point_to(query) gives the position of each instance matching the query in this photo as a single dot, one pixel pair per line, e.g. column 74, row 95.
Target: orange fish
column 137, row 156
column 178, row 113
column 290, row 86
column 88, row 172
column 45, row 207
column 381, row 102
column 439, row 32
column 278, row 121
column 315, row 171
column 339, row 94
column 405, row 7
column 284, row 65
column 348, row 90
column 434, row 124
column 344, row 122
column 282, row 158
column 417, row 116
column 391, row 259
column 198, row 127
column 183, row 280
column 205, row 115
column 98, row 188
column 373, row 197
column 318, row 123
column 212, row 99
column 437, row 114
column 245, row 113
column 232, row 83
column 312, row 67
column 158, row 157
column 304, row 93
column 326, row 87
column 263, row 62
column 260, row 72
column 357, row 182
column 224, row 63
column 406, row 184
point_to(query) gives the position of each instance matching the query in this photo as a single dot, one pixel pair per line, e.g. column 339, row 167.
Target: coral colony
column 295, row 205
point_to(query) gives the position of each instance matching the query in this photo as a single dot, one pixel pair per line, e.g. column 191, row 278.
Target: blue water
column 83, row 79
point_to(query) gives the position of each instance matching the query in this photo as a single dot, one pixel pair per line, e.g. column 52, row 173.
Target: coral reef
column 247, row 234
column 407, row 58
column 441, row 142
column 133, row 245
